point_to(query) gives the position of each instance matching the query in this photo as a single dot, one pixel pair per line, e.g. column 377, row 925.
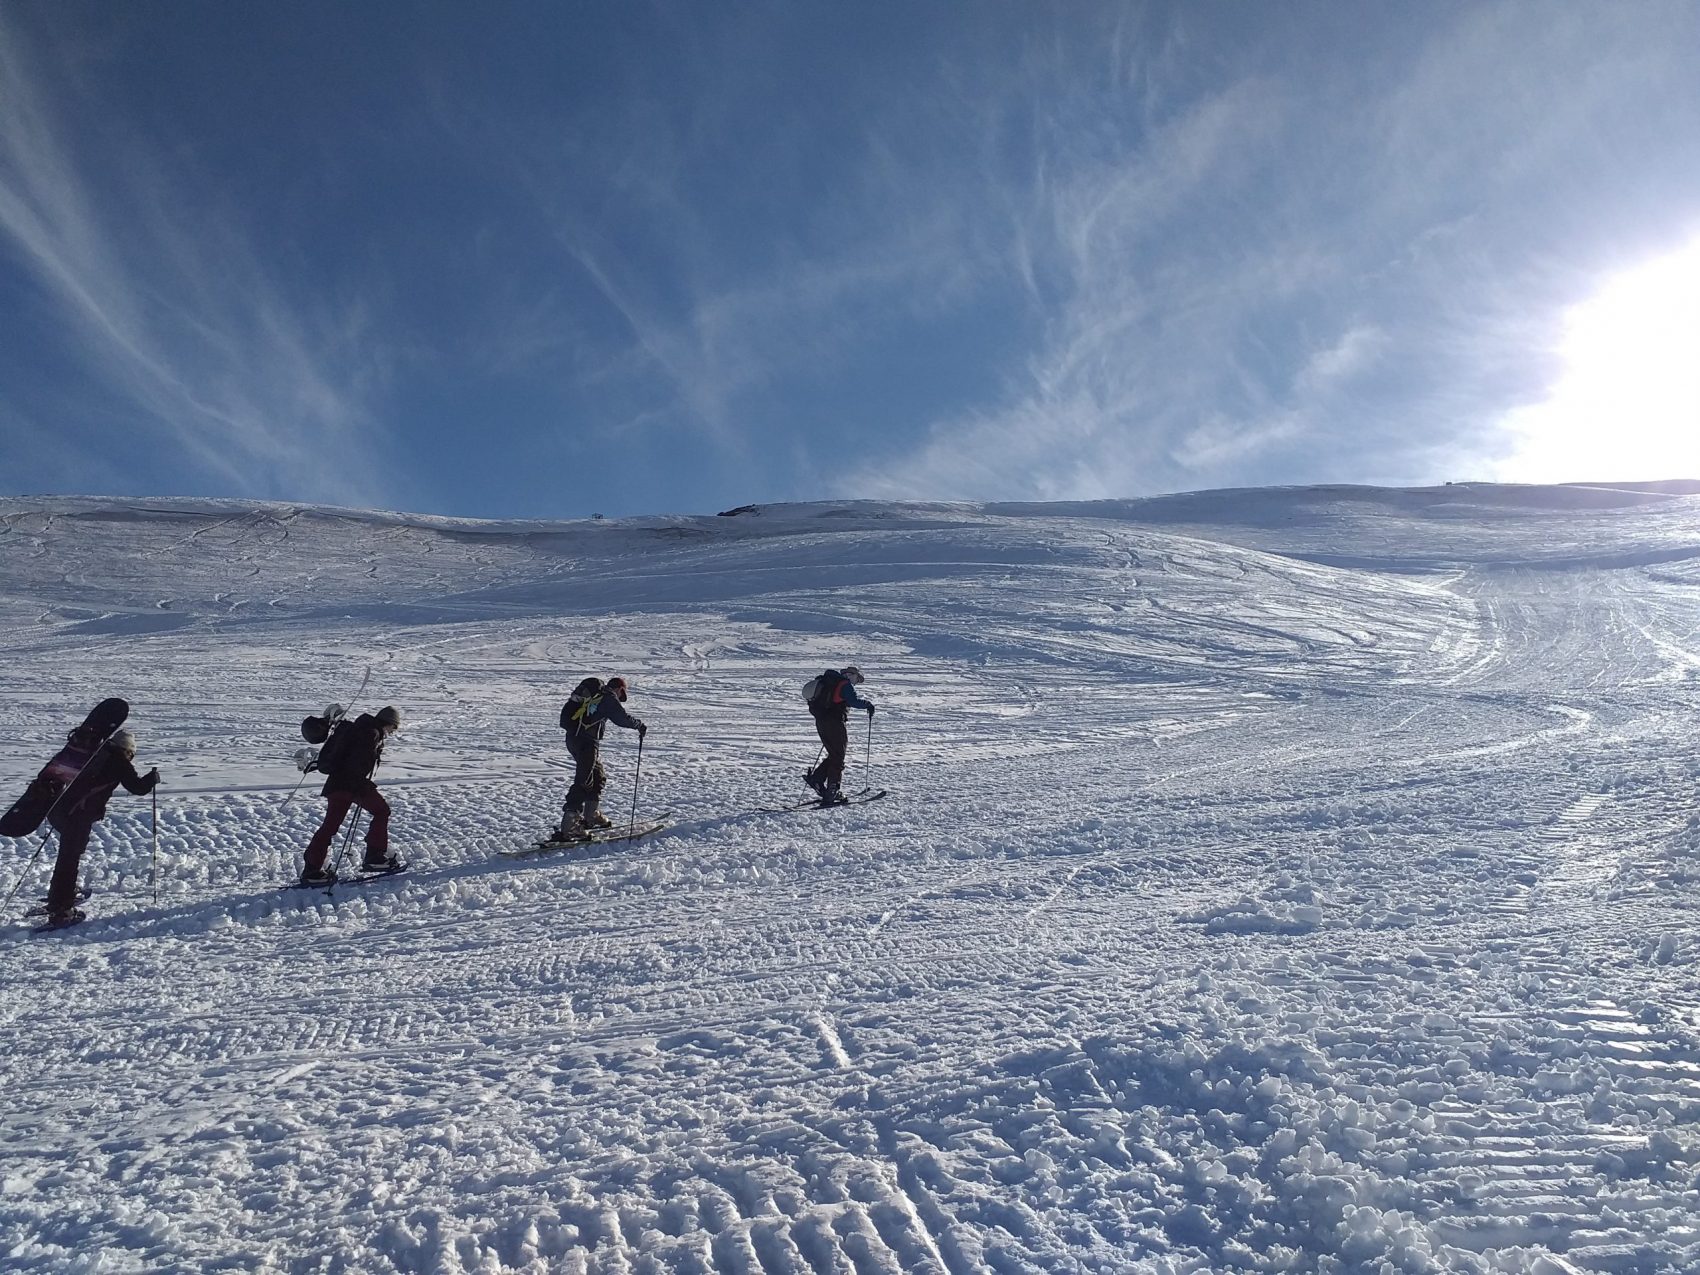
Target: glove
column 870, row 710
column 153, row 775
column 642, row 730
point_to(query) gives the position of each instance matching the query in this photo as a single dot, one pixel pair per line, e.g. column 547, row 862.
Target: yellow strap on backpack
column 586, row 706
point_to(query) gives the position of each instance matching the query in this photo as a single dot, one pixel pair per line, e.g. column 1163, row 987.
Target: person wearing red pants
column 349, row 759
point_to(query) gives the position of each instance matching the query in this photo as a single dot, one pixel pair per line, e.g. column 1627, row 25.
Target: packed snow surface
column 1275, row 880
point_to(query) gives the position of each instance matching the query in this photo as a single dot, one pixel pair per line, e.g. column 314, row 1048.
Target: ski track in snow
column 1230, row 910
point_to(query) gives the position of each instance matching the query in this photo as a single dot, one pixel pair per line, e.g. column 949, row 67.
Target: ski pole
column 637, row 773
column 24, row 875
column 294, row 790
column 868, row 762
column 360, row 810
column 153, row 860
column 348, row 838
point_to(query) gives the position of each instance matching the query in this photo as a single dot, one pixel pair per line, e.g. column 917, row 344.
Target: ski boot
column 831, row 796
column 62, row 919
column 595, row 820
column 322, row 875
column 381, row 861
column 572, row 828
column 819, row 785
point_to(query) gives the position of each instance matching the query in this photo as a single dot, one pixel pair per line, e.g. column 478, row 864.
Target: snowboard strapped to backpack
column 316, row 730
column 322, row 730
column 46, row 788
column 582, row 701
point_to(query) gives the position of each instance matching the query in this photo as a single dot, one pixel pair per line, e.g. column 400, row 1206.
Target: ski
column 816, row 803
column 76, row 917
column 619, row 832
column 353, row 878
column 40, row 909
column 858, row 799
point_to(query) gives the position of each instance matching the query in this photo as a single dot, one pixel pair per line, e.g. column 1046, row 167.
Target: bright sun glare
column 1628, row 403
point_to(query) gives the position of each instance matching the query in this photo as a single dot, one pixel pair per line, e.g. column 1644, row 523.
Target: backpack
column 335, row 747
column 317, row 729
column 582, row 702
column 818, row 690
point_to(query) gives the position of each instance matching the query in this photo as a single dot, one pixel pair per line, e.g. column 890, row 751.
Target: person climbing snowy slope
column 585, row 715
column 83, row 805
column 349, row 759
column 831, row 696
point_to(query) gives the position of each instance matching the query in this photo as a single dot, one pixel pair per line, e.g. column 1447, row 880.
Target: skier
column 834, row 697
column 349, row 759
column 83, row 805
column 586, row 715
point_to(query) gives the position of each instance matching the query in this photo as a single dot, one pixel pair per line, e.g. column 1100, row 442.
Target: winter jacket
column 604, row 708
column 839, row 701
column 86, row 796
column 359, row 755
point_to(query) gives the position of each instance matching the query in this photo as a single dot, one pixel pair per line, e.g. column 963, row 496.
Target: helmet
column 389, row 718
column 852, row 674
column 616, row 685
column 123, row 741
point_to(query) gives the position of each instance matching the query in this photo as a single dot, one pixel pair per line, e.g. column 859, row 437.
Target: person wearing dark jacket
column 80, row 807
column 834, row 697
column 587, row 717
column 349, row 764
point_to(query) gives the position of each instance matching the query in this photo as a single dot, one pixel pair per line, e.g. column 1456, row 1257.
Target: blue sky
column 548, row 259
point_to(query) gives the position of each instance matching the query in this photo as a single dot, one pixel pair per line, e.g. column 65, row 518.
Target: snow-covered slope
column 1295, row 879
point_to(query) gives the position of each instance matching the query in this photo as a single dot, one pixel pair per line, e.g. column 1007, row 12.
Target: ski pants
column 369, row 799
column 834, row 732
column 73, row 833
column 589, row 779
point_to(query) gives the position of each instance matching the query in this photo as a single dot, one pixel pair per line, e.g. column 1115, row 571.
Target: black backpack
column 318, row 729
column 582, row 701
column 341, row 735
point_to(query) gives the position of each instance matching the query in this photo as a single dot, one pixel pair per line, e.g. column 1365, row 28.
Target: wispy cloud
column 178, row 326
column 1019, row 250
column 734, row 251
column 1302, row 265
column 1122, row 301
